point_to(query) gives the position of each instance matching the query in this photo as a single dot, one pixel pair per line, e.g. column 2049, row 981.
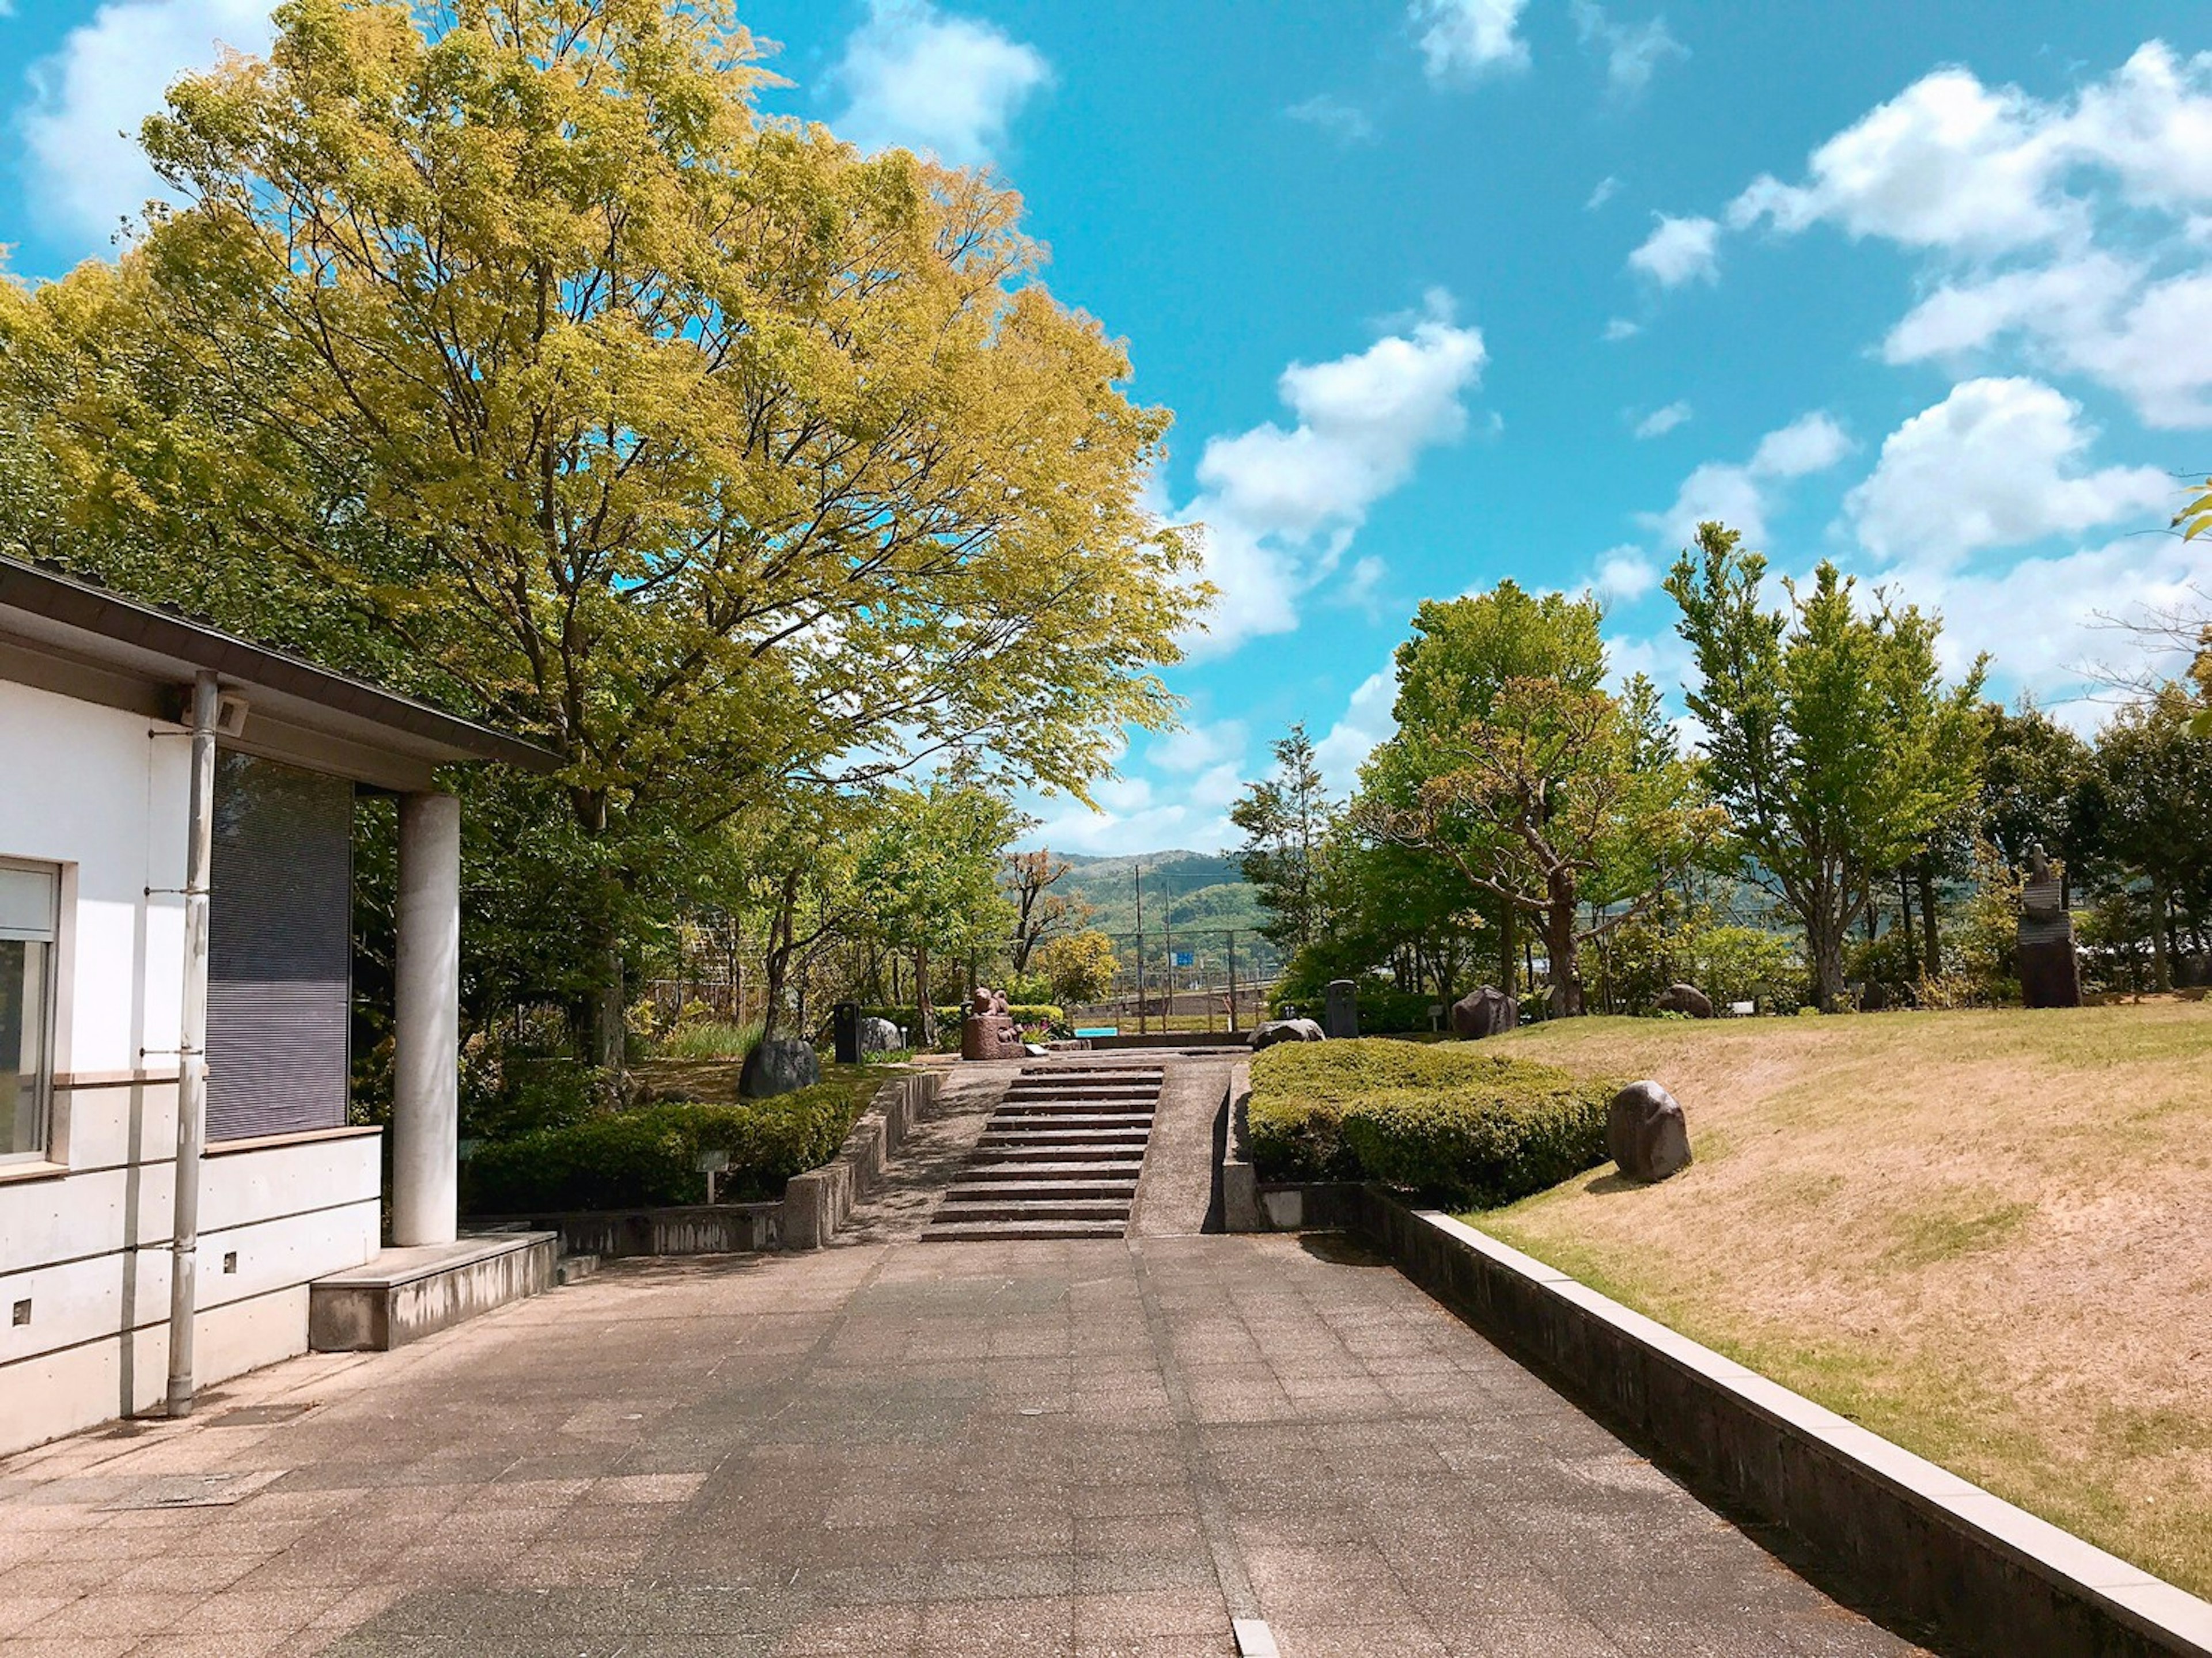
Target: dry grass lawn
column 1986, row 1236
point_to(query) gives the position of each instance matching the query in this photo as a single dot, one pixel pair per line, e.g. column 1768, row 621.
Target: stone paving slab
column 1086, row 1448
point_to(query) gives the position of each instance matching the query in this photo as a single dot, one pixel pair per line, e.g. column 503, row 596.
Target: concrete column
column 427, row 1022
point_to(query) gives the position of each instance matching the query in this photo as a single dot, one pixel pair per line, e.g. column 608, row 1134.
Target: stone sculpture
column 1488, row 1011
column 1684, row 998
column 778, row 1064
column 988, row 1032
column 2049, row 972
column 1287, row 1030
column 1340, row 1017
column 1645, row 1132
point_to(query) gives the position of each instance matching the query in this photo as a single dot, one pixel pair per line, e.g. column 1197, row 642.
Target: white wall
column 87, row 788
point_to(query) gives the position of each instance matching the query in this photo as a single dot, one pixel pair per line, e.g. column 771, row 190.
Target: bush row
column 1450, row 1122
column 650, row 1156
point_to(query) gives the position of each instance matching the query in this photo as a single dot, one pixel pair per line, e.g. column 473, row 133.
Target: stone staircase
column 1059, row 1158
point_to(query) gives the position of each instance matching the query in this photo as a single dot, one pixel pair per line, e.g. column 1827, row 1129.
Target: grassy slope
column 1987, row 1236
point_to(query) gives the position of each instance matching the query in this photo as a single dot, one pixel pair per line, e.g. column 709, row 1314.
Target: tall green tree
column 710, row 451
column 1285, row 819
column 2153, row 770
column 926, row 876
column 1829, row 734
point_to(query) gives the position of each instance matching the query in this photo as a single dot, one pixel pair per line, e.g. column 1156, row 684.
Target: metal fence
column 1196, row 979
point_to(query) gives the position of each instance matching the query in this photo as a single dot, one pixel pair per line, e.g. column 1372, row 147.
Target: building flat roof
column 69, row 635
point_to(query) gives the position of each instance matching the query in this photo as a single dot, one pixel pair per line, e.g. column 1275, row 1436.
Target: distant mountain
column 1185, row 892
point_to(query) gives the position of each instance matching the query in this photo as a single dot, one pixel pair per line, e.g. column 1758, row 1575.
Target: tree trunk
column 1508, row 946
column 2161, row 955
column 1932, row 942
column 1827, row 941
column 610, row 1024
column 1904, row 920
column 925, row 1013
column 1563, row 942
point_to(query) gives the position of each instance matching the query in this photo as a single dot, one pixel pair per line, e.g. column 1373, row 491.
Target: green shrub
column 1453, row 1122
column 650, row 1157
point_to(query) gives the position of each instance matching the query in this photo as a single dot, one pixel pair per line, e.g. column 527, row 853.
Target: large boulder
column 780, row 1065
column 1684, row 998
column 1286, row 1030
column 1488, row 1011
column 1645, row 1132
column 878, row 1037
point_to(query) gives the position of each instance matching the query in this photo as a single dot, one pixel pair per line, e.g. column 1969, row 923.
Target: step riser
column 1120, row 1192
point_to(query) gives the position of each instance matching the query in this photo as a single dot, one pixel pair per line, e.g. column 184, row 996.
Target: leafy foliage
column 1464, row 1125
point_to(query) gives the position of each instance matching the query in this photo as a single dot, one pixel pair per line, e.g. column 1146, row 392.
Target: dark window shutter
column 280, row 950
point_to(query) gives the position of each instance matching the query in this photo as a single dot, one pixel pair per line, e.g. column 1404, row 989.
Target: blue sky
column 1459, row 289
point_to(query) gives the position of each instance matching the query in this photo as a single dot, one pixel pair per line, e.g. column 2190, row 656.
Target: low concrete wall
column 1993, row 1577
column 816, row 1203
column 1171, row 1039
column 697, row 1229
column 405, row 1294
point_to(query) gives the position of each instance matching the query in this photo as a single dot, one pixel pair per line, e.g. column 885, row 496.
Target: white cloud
column 1194, row 748
column 1281, row 505
column 1634, row 51
column 1659, row 422
column 1462, row 39
column 1738, row 493
column 1679, row 251
column 932, row 81
column 1365, row 722
column 1607, row 189
column 1625, row 574
column 1621, row 328
column 1996, row 464
column 79, row 128
column 1346, row 123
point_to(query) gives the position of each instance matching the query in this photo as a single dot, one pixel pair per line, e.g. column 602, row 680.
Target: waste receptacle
column 845, row 1032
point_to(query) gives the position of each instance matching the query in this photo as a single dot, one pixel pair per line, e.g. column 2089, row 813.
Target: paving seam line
column 1236, row 1594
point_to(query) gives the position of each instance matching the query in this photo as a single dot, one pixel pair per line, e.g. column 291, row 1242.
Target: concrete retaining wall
column 1249, row 1204
column 1993, row 1577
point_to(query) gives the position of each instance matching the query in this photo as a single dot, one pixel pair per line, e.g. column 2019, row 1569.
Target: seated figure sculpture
column 988, row 1032
column 2049, row 972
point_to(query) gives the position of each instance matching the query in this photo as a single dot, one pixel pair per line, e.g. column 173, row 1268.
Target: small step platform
column 1059, row 1158
column 399, row 1295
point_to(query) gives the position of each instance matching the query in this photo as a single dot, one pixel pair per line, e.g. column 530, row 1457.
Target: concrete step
column 1014, row 1231
column 1055, row 1123
column 1051, row 1191
column 574, row 1269
column 1111, row 1151
column 1031, row 1110
column 1070, row 1209
column 1048, row 1168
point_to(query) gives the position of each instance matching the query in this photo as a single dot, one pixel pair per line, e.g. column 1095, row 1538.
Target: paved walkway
column 1097, row 1447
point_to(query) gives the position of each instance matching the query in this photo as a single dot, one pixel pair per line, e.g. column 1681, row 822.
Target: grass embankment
column 1986, row 1236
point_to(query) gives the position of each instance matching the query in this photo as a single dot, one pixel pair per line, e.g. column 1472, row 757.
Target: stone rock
column 780, row 1065
column 1488, row 1011
column 1684, row 998
column 1645, row 1132
column 1286, row 1030
column 1340, row 1015
column 878, row 1037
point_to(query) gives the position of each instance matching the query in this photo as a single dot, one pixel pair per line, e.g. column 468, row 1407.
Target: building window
column 30, row 905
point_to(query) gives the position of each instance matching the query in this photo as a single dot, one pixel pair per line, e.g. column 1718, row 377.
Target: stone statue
column 988, row 1032
column 2049, row 972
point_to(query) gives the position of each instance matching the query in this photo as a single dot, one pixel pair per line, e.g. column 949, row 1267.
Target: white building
column 97, row 755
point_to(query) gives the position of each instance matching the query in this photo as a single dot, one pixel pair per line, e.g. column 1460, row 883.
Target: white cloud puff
column 1624, row 574
column 1634, row 51
column 1996, row 464
column 79, row 128
column 1462, row 38
column 1679, row 251
column 1738, row 494
column 1659, row 422
column 1281, row 505
column 1364, row 723
column 926, row 80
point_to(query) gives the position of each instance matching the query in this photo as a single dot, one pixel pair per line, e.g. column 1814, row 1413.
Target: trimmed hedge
column 649, row 1156
column 1472, row 1128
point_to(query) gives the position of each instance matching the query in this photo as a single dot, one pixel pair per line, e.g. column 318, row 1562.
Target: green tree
column 926, row 875
column 2154, row 776
column 1079, row 966
column 1285, row 819
column 710, row 451
column 1830, row 735
column 1040, row 914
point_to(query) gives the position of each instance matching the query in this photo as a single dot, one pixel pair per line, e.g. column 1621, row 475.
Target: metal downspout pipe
column 192, row 1049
